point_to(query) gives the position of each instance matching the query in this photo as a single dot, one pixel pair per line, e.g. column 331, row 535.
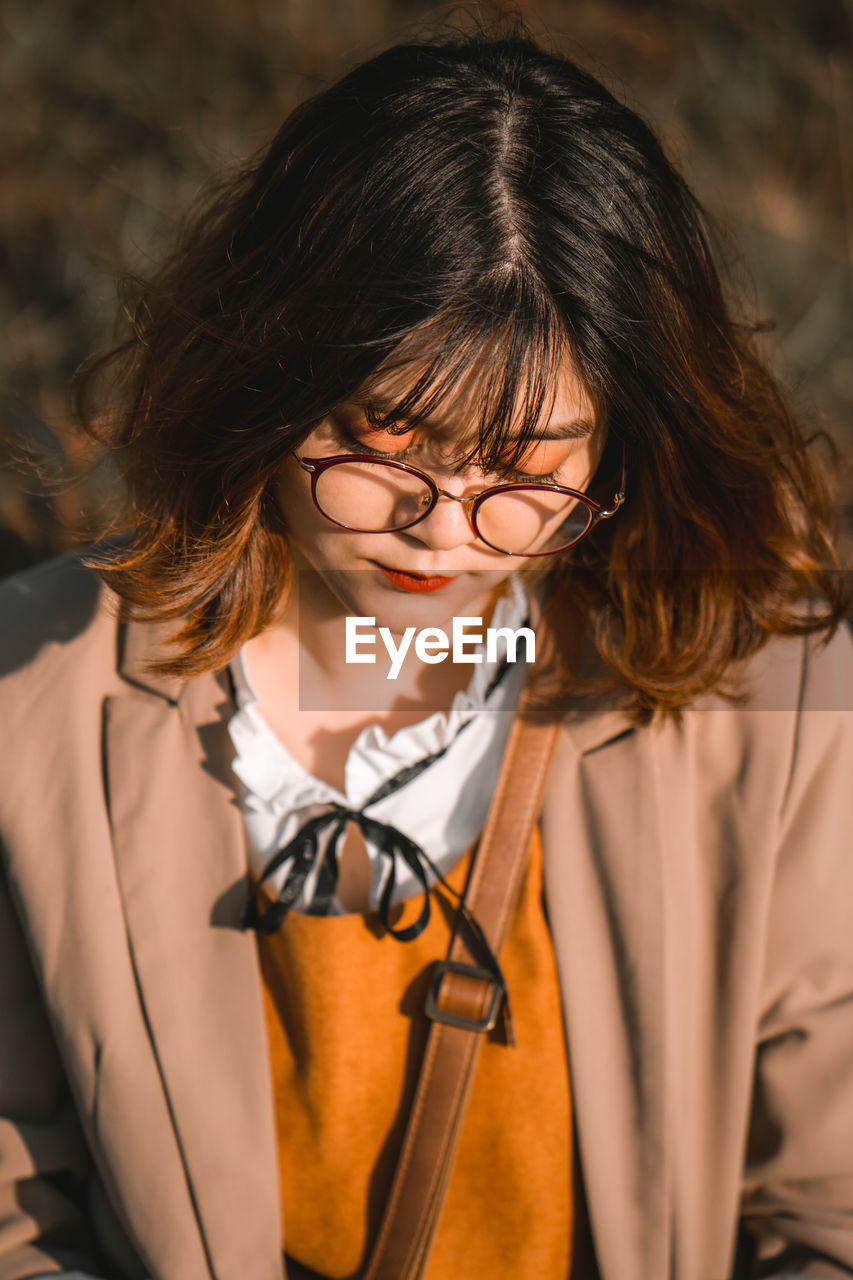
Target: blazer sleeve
column 44, row 1161
column 798, row 1197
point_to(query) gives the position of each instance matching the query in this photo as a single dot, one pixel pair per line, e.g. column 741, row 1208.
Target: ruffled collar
column 269, row 772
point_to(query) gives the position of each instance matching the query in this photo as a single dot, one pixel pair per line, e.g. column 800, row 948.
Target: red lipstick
column 416, row 581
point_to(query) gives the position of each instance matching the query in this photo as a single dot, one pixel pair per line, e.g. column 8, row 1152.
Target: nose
column 447, row 526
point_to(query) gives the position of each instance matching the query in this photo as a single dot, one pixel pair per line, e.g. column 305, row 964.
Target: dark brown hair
column 469, row 198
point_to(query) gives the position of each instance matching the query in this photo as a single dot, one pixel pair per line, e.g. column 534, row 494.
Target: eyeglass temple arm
column 606, row 512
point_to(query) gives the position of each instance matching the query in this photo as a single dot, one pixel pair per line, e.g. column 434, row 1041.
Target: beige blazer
column 699, row 888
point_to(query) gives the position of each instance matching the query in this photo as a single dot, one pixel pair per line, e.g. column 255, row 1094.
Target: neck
column 310, row 638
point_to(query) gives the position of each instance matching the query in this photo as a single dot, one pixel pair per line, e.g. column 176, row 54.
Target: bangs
column 494, row 366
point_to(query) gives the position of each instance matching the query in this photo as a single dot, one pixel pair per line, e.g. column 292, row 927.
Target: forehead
column 456, row 410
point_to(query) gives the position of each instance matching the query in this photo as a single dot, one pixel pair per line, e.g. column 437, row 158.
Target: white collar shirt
column 442, row 808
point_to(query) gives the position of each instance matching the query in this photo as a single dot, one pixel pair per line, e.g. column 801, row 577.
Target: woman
column 450, row 353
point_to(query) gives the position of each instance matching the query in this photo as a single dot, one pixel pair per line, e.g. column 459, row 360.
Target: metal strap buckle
column 434, row 1010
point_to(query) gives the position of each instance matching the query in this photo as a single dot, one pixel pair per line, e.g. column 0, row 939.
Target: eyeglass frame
column 470, row 502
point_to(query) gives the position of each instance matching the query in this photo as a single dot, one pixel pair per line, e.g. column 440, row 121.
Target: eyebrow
column 577, row 429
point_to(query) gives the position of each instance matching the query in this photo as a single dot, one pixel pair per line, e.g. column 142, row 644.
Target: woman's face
column 438, row 568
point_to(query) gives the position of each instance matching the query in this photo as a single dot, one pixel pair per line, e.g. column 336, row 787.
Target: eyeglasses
column 376, row 495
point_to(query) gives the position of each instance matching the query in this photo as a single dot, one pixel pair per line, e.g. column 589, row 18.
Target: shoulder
column 795, row 706
column 59, row 629
column 801, row 673
column 732, row 803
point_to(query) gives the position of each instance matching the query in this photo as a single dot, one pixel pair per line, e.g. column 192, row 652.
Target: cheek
column 293, row 492
column 314, row 540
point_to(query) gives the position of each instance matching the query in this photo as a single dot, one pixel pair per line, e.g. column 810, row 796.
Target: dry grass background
column 115, row 111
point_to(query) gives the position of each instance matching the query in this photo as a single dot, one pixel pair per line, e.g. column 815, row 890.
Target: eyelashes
column 353, row 443
column 382, row 427
column 529, row 477
column 386, row 424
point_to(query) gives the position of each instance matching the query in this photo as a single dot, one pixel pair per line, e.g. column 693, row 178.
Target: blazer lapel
column 604, row 897
column 180, row 860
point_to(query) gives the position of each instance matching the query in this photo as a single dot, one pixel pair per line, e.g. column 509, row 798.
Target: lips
column 419, row 582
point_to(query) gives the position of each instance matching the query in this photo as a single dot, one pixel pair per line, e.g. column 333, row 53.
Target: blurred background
column 114, row 112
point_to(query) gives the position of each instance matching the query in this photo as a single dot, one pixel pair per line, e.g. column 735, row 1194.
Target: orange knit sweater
column 346, row 1030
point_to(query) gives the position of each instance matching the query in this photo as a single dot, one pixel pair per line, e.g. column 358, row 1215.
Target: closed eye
column 355, row 444
column 511, row 476
column 358, row 446
column 507, row 475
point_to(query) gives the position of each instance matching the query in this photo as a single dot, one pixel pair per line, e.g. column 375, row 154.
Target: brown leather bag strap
column 464, row 1003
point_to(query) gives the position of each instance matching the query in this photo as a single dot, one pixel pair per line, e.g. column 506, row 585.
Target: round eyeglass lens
column 515, row 520
column 371, row 497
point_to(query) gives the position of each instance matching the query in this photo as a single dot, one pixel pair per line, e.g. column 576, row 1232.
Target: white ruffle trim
column 273, row 776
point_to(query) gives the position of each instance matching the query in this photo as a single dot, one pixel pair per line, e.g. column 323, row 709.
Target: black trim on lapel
column 138, row 644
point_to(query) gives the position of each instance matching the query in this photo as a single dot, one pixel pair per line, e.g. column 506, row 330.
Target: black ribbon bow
column 391, row 843
column 304, row 849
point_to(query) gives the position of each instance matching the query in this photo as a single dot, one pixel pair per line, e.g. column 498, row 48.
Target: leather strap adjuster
column 438, row 1014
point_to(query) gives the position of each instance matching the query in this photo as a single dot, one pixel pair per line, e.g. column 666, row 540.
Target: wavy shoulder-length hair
column 491, row 206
